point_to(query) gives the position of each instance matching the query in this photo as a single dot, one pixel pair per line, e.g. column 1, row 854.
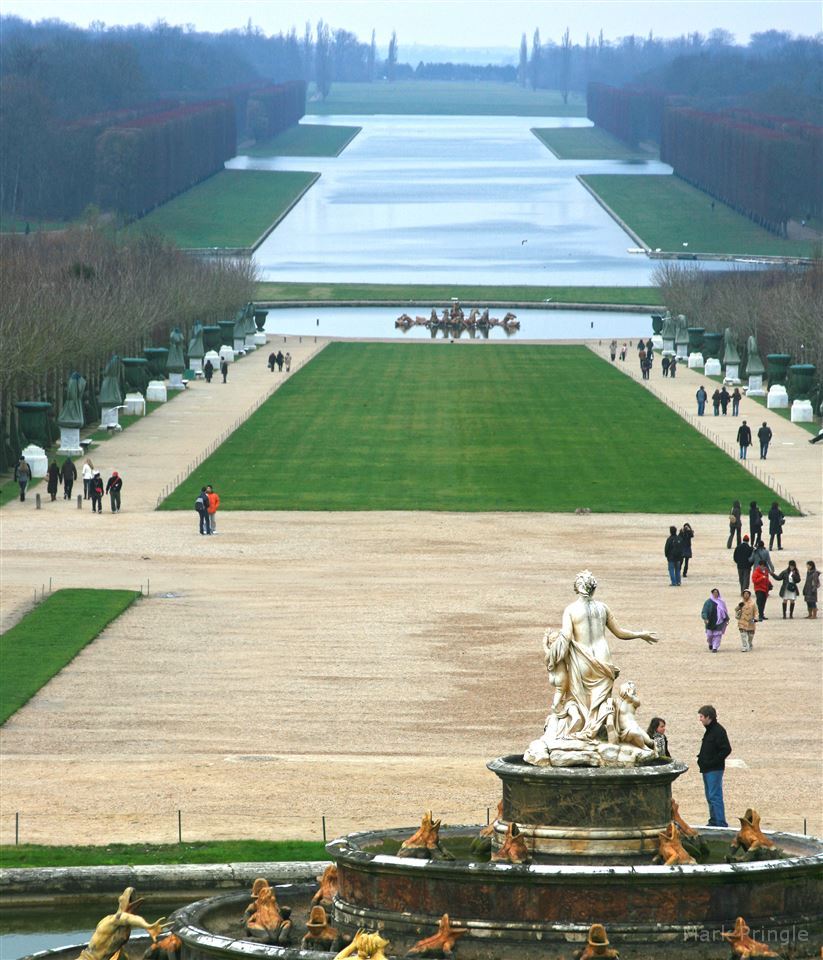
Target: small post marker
column 79, row 502
column 179, row 826
column 37, row 501
column 323, row 818
column 16, row 829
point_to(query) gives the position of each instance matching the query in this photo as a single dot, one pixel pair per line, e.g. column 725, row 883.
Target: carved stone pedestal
column 696, row 361
column 712, row 368
column 755, row 388
column 70, row 442
column 156, row 391
column 135, row 405
column 802, row 411
column 778, row 398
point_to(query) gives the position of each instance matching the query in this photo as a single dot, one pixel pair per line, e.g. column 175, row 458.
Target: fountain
column 454, row 322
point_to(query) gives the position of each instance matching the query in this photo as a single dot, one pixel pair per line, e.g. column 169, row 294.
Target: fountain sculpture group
column 453, row 322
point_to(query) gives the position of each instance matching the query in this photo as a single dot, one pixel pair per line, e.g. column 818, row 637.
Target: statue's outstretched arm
column 141, row 924
column 622, row 634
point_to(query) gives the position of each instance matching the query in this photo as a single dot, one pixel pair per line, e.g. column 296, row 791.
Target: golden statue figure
column 513, row 849
column 597, row 945
column 440, row 944
column 743, row 945
column 424, row 843
column 365, row 946
column 670, row 850
column 112, row 933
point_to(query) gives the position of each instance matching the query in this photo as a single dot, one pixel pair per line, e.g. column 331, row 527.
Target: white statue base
column 214, row 356
column 110, row 418
column 712, row 368
column 260, row 339
column 37, row 460
column 696, row 361
column 239, row 345
column 135, row 405
column 657, row 341
column 156, row 391
column 755, row 388
column 176, row 381
column 668, row 347
column 778, row 398
column 732, row 374
column 250, row 344
column 682, row 351
column 802, row 411
column 70, row 442
column 559, row 753
column 196, row 364
column 227, row 354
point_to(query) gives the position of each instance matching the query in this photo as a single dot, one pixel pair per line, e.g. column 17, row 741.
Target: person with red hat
column 742, row 557
column 113, row 488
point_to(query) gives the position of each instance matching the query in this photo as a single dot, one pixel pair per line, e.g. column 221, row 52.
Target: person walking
column 645, row 367
column 701, row 396
column 810, row 587
column 764, row 435
column 96, row 492
column 776, row 521
column 214, row 503
column 789, row 589
column 725, row 396
column 737, row 396
column 657, row 731
column 68, row 474
column 88, row 474
column 113, row 487
column 673, row 368
column 650, row 351
column 686, row 536
column 22, row 474
column 272, row 360
column 52, row 480
column 201, row 505
column 288, row 362
column 746, row 614
column 716, row 403
column 760, row 552
column 673, row 551
column 280, row 359
column 715, row 616
column 744, row 439
column 613, row 350
column 735, row 524
column 208, row 370
column 665, row 364
column 755, row 521
column 224, row 368
column 711, row 760
column 742, row 557
column 762, row 585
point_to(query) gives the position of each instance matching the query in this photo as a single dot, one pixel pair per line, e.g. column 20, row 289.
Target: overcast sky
column 462, row 23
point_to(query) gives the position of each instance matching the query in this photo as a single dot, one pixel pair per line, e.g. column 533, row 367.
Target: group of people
column 64, row 475
column 206, row 505
column 280, row 360
column 678, row 552
column 744, row 439
column 208, row 369
column 94, row 489
column 775, row 517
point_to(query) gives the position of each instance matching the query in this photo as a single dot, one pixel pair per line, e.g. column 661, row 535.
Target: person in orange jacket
column 214, row 503
column 762, row 584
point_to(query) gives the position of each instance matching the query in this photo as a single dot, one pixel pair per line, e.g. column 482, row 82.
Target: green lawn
column 49, row 637
column 667, row 212
column 587, row 143
column 306, row 140
column 10, row 489
column 133, row 854
column 467, row 427
column 42, row 226
column 434, row 294
column 445, row 97
column 231, row 209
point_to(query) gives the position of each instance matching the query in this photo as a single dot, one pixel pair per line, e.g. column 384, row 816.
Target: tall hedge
column 273, row 108
column 632, row 114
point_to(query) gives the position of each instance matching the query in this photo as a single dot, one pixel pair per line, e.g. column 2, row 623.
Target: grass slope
column 436, row 294
column 49, row 637
column 231, row 209
column 667, row 212
column 586, row 143
column 469, row 427
column 306, row 140
column 445, row 97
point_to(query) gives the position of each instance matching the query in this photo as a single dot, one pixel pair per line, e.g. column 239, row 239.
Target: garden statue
column 197, row 348
column 670, row 850
column 267, row 921
column 71, row 417
column 751, row 843
column 425, row 844
column 754, row 369
column 441, row 944
column 112, row 933
column 743, row 945
column 731, row 354
column 513, row 849
column 692, row 842
column 597, row 945
column 320, row 935
column 176, row 360
column 328, row 888
column 586, row 727
column 168, row 948
column 365, row 946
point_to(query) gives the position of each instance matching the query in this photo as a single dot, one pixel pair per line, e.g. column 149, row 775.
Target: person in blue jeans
column 712, row 762
column 744, row 439
column 702, row 397
column 673, row 551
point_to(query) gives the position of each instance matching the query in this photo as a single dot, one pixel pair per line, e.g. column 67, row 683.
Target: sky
column 454, row 23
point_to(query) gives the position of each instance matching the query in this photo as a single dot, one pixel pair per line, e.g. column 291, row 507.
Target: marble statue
column 743, row 945
column 365, row 946
column 587, row 725
column 731, row 354
column 112, row 933
column 597, row 945
column 754, row 365
column 441, row 944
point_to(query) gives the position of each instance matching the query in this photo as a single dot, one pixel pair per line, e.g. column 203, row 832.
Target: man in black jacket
column 744, row 439
column 742, row 556
column 673, row 550
column 712, row 762
column 764, row 435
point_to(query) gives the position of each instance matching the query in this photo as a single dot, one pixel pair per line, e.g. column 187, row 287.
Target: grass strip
column 438, row 294
column 11, row 488
column 306, row 140
column 670, row 214
column 444, row 97
column 587, row 143
column 50, row 636
column 10, row 225
column 231, row 209
column 470, row 427
column 134, row 854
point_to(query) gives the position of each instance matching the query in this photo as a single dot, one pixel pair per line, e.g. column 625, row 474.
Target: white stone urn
column 37, row 460
column 802, row 411
column 696, row 361
column 778, row 398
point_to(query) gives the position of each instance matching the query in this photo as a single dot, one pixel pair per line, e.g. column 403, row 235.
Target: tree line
column 70, row 300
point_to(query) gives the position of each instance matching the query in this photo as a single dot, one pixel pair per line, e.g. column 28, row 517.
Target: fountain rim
column 514, row 766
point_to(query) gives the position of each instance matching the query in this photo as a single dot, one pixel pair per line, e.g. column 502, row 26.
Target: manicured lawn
column 133, row 854
column 11, row 489
column 35, row 226
column 667, row 213
column 306, row 140
column 49, row 637
column 231, row 209
column 467, row 427
column 402, row 293
column 586, row 143
column 445, row 97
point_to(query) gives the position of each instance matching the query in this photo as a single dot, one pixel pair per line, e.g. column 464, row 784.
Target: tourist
column 113, row 487
column 742, row 557
column 645, row 367
column 201, row 505
column 664, row 365
column 280, row 359
column 760, row 552
column 52, row 480
column 789, row 590
column 764, row 435
column 725, row 396
column 68, row 474
column 650, row 351
column 776, row 521
column 88, row 474
column 755, row 520
column 272, row 360
column 96, row 492
column 735, row 524
column 715, row 616
column 673, row 551
column 686, row 536
column 208, row 370
column 746, row 613
column 288, row 362
column 737, row 396
column 657, row 731
column 22, row 474
column 744, row 439
column 613, row 350
column 625, row 349
column 762, row 585
column 673, row 368
column 224, row 368
column 702, row 397
column 214, row 503
column 716, row 403
column 712, row 762
column 810, row 588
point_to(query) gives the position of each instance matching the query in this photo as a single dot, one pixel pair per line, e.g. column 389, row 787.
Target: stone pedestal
column 802, row 411
column 110, row 418
column 196, row 364
column 135, row 405
column 227, row 354
column 250, row 342
column 260, row 339
column 695, row 361
column 712, row 367
column 215, row 360
column 37, row 460
column 239, row 344
column 778, row 398
column 176, row 381
column 732, row 374
column 156, row 391
column 657, row 341
column 755, row 388
column 667, row 345
column 70, row 442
